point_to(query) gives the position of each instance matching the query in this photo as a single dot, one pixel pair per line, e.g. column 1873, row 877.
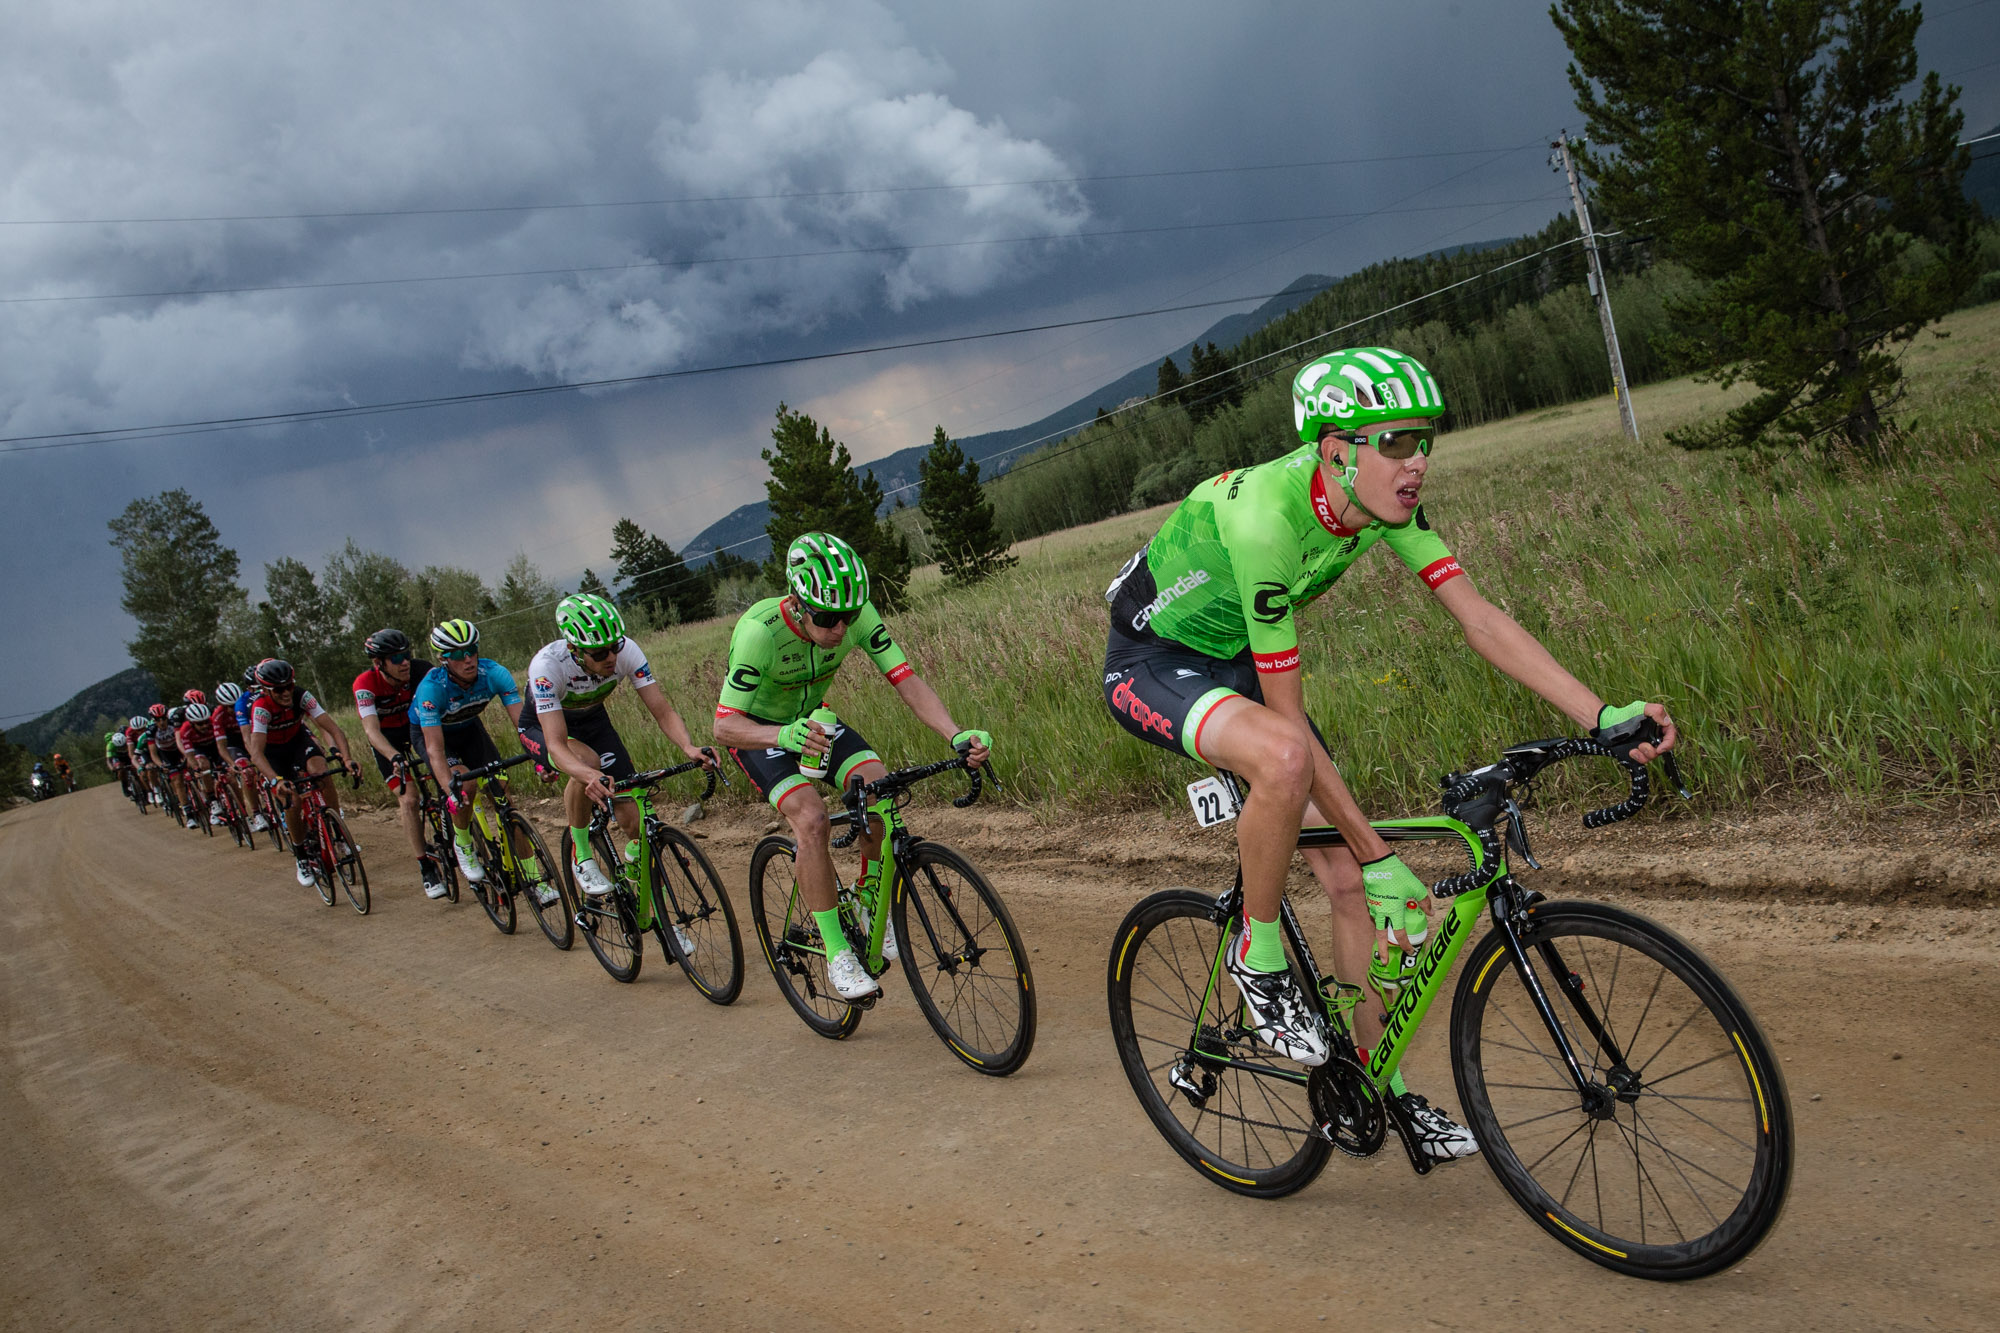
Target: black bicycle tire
column 322, row 873
column 559, row 911
column 681, row 902
column 917, row 884
column 612, row 911
column 439, row 847
column 1755, row 1215
column 841, row 1018
column 352, row 873
column 1130, row 948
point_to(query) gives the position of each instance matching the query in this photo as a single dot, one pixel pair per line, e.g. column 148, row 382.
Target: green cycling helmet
column 826, row 573
column 1352, row 389
column 589, row 621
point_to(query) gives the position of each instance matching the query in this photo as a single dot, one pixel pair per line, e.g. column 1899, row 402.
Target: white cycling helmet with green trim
column 455, row 636
column 589, row 621
column 1353, row 389
column 826, row 573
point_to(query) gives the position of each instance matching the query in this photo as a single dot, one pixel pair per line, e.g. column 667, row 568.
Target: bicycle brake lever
column 1674, row 776
column 1517, row 834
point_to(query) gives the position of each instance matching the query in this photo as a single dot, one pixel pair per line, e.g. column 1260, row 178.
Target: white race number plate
column 1213, row 802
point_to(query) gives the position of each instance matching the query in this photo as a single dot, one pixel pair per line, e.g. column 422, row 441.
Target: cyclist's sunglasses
column 395, row 659
column 599, row 654
column 1396, row 444
column 460, row 654
column 828, row 619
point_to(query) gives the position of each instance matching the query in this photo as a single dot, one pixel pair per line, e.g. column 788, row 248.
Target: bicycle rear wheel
column 346, row 861
column 1222, row 1099
column 699, row 912
column 965, row 961
column 553, row 917
column 791, row 942
column 610, row 923
column 1677, row 1162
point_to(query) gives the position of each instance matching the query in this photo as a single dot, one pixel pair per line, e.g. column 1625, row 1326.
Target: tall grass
column 1819, row 628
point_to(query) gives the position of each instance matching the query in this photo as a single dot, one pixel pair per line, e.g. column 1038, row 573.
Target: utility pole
column 1561, row 161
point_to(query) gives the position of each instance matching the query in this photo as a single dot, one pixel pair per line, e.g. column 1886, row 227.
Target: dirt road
column 227, row 1106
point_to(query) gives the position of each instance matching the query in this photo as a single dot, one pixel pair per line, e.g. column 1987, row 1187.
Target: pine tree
column 1767, row 145
column 959, row 514
column 301, row 624
column 815, row 488
column 1168, row 383
column 179, row 579
column 1212, row 383
column 654, row 579
column 592, row 583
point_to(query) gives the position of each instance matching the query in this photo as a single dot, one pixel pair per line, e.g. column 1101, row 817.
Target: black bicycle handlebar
column 1523, row 762
column 472, row 775
column 652, row 776
column 859, row 796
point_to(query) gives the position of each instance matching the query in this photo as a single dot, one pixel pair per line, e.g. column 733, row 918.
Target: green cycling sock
column 831, row 933
column 1396, row 1086
column 463, row 837
column 581, row 837
column 1267, row 946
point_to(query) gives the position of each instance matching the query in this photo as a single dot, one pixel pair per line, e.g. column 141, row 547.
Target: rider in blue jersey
column 447, row 706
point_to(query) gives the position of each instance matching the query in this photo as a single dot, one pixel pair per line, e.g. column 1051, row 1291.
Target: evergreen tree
column 372, row 591
column 654, row 579
column 1168, row 384
column 179, row 579
column 301, row 624
column 959, row 514
column 1767, row 144
column 814, row 488
column 1212, row 382
column 592, row 583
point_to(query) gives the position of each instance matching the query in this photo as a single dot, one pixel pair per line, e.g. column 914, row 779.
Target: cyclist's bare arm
column 670, row 722
column 1514, row 652
column 371, row 729
column 922, row 700
column 254, row 741
column 334, row 735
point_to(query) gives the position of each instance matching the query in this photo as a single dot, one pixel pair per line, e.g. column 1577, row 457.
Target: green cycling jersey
column 777, row 675
column 1242, row 553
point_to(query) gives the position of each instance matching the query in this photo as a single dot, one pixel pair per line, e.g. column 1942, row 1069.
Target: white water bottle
column 824, row 719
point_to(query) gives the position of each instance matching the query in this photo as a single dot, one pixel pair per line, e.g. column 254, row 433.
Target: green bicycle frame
column 640, row 873
column 1425, row 978
column 869, row 898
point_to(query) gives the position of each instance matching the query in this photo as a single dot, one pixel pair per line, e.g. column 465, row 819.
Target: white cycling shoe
column 591, row 880
column 305, row 874
column 468, row 865
column 545, row 893
column 1438, row 1136
column 259, row 824
column 1278, row 1012
column 849, row 978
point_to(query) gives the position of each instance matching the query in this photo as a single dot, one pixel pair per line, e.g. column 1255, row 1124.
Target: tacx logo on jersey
column 745, row 678
column 1180, row 587
column 1264, row 604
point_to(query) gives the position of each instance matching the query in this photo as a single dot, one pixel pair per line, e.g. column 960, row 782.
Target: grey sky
column 126, row 110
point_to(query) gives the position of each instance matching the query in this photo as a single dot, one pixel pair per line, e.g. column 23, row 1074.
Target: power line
column 909, row 247
column 735, row 198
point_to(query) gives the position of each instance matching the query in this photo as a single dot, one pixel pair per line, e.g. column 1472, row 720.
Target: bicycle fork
column 1600, row 1100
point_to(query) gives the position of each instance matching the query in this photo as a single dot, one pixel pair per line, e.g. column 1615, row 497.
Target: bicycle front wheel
column 1222, row 1099
column 553, row 916
column 965, row 961
column 697, row 927
column 347, row 862
column 791, row 942
column 1675, row 1162
column 609, row 924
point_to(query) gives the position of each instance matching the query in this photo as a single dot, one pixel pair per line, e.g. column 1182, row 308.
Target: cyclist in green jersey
column 1203, row 659
column 782, row 656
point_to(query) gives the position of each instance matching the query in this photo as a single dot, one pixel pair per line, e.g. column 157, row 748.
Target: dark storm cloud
column 119, row 109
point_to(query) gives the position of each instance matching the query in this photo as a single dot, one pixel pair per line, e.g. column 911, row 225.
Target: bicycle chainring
column 1349, row 1111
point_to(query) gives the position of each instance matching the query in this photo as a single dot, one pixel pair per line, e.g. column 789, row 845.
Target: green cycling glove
column 1608, row 717
column 792, row 736
column 1390, row 888
column 971, row 734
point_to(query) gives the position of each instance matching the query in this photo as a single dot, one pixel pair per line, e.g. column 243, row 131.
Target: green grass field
column 1819, row 629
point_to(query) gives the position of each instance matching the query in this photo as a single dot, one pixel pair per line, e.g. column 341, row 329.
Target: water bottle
column 823, row 718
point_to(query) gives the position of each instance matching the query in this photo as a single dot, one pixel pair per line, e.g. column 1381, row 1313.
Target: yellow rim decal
column 1620, row 1254
column 1498, row 954
column 1763, row 1112
column 1226, row 1176
column 962, row 1051
column 1126, row 950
